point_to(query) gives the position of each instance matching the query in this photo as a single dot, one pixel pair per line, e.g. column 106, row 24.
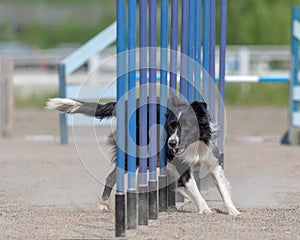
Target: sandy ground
column 49, row 191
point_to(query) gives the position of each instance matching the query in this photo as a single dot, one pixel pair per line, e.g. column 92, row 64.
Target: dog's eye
column 173, row 125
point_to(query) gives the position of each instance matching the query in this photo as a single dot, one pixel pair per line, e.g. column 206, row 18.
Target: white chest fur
column 198, row 153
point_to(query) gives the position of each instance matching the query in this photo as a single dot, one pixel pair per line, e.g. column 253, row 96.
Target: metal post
column 191, row 50
column 6, row 97
column 153, row 211
column 293, row 138
column 62, row 94
column 198, row 28
column 120, row 112
column 131, row 118
column 162, row 179
column 174, row 46
column 184, row 47
column 206, row 54
column 223, row 20
column 143, row 135
column 212, row 45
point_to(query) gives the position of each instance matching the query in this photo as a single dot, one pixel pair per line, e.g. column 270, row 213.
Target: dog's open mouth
column 179, row 150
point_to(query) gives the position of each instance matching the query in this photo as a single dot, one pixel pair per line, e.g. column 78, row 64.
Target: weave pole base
column 163, row 193
column 153, row 212
column 131, row 209
column 143, row 212
column 120, row 215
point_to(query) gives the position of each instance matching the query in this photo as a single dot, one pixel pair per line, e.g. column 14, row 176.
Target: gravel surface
column 49, row 191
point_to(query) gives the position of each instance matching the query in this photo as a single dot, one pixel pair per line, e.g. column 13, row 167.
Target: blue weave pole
column 152, row 89
column 120, row 113
column 174, row 45
column 206, row 55
column 143, row 118
column 295, row 58
column 62, row 94
column 198, row 28
column 184, row 47
column 131, row 117
column 294, row 105
column 191, row 50
column 153, row 211
column 212, row 45
column 221, row 86
column 162, row 179
column 131, row 93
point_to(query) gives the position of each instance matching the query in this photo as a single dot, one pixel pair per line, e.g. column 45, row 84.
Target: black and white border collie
column 190, row 145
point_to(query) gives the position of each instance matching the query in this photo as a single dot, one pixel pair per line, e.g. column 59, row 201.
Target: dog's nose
column 172, row 143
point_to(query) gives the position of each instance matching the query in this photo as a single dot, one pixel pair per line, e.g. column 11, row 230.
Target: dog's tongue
column 179, row 150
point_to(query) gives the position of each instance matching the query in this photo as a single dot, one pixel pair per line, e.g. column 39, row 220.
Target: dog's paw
column 103, row 206
column 234, row 212
column 205, row 211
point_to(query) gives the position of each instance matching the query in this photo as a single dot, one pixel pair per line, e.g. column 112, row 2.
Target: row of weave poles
column 149, row 36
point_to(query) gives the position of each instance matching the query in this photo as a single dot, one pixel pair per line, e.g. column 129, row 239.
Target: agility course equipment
column 293, row 136
column 73, row 62
column 194, row 84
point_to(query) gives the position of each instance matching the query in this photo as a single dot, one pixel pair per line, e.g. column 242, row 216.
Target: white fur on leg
column 194, row 194
column 103, row 206
column 63, row 104
column 222, row 185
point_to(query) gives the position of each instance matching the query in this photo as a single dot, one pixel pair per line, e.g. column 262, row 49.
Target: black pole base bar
column 171, row 178
column 120, row 215
column 153, row 212
column 131, row 209
column 143, row 212
column 163, row 193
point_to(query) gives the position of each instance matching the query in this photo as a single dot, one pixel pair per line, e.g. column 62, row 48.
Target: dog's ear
column 199, row 107
column 175, row 101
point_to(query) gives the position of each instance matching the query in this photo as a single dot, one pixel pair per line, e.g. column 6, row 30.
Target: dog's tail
column 91, row 109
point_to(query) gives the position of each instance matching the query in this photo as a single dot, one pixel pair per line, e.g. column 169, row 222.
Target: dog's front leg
column 222, row 185
column 191, row 189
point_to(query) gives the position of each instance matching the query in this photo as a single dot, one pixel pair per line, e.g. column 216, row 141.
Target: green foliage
column 259, row 21
column 249, row 22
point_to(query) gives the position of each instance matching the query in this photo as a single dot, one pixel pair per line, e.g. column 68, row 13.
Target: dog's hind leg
column 109, row 184
column 222, row 185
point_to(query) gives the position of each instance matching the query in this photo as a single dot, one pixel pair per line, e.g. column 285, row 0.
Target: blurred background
column 38, row 34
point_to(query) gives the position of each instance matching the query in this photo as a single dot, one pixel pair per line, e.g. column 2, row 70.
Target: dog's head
column 186, row 123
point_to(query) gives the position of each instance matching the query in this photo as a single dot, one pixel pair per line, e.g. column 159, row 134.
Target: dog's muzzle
column 172, row 143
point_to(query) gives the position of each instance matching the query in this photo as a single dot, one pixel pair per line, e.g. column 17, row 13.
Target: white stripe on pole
column 296, row 29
